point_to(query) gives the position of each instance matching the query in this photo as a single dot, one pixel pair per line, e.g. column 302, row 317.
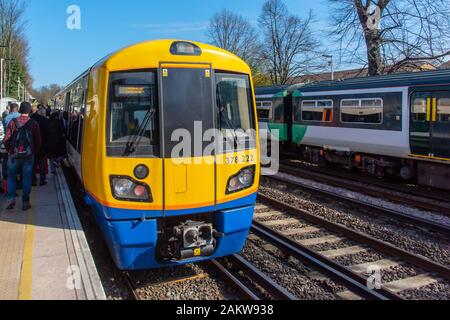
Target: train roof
column 262, row 91
column 149, row 55
column 435, row 77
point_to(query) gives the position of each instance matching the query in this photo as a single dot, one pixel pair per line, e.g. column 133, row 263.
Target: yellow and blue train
column 163, row 135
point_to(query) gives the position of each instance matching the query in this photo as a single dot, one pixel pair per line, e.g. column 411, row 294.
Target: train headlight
column 242, row 180
column 125, row 188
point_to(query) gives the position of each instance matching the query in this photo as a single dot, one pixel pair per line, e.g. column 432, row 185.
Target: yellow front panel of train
column 188, row 185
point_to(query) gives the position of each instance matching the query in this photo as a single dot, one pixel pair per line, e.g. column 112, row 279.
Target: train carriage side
column 385, row 125
column 345, row 122
column 160, row 198
column 274, row 107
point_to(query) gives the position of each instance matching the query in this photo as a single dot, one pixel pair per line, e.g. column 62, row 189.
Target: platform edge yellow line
column 26, row 275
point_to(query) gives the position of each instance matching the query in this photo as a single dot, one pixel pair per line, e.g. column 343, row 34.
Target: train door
column 420, row 138
column 430, row 124
column 440, row 126
column 187, row 112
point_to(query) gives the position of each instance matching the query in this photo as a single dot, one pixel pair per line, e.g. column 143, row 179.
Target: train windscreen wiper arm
column 136, row 139
column 229, row 124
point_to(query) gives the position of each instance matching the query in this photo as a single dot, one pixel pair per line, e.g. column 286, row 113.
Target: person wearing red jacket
column 23, row 142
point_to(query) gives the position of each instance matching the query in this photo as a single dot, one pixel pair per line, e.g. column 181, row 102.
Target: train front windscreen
column 188, row 102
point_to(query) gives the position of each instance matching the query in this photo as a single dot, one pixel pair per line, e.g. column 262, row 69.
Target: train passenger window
column 132, row 114
column 443, row 110
column 317, row 110
column 67, row 109
column 419, row 110
column 234, row 101
column 362, row 110
column 264, row 109
column 75, row 104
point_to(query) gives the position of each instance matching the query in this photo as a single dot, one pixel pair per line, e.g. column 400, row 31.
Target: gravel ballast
column 433, row 246
column 291, row 275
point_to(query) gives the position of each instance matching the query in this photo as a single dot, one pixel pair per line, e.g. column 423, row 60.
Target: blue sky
column 58, row 54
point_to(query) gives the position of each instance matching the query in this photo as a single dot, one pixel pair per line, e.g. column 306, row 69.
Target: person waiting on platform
column 3, row 156
column 4, row 115
column 40, row 162
column 56, row 141
column 13, row 114
column 23, row 142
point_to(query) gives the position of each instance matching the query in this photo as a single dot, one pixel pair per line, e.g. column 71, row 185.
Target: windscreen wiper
column 223, row 115
column 230, row 126
column 136, row 139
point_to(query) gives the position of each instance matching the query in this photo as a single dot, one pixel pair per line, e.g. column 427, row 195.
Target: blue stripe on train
column 132, row 243
column 129, row 214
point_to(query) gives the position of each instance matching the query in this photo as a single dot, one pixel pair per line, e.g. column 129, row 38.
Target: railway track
column 435, row 200
column 222, row 271
column 298, row 232
column 372, row 207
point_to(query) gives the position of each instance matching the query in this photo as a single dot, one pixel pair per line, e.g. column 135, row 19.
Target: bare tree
column 290, row 46
column 45, row 94
column 232, row 32
column 396, row 34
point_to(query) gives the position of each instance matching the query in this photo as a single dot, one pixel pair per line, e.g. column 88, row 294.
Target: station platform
column 44, row 254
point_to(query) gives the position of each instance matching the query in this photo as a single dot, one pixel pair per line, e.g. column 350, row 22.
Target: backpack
column 22, row 140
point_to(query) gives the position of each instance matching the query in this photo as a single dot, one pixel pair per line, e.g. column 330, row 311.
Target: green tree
column 14, row 48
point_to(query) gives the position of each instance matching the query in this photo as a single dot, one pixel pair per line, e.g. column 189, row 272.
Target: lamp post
column 1, row 73
column 330, row 63
column 1, row 79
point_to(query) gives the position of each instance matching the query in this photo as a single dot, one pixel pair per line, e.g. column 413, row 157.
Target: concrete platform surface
column 44, row 254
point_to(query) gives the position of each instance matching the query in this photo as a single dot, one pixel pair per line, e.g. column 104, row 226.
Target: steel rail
column 350, row 279
column 352, row 183
column 417, row 190
column 130, row 285
column 417, row 221
column 260, row 278
column 231, row 279
column 357, row 236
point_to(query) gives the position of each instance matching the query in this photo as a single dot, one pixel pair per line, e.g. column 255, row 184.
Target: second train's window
column 317, row 110
column 362, row 111
column 419, row 110
column 264, row 109
column 443, row 110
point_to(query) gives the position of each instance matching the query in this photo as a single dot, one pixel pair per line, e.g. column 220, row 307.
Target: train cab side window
column 362, row 111
column 443, row 110
column 264, row 109
column 317, row 110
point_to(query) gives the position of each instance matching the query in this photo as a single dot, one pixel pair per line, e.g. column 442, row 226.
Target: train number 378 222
column 248, row 158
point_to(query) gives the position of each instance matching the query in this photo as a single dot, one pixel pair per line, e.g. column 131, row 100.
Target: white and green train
column 384, row 125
